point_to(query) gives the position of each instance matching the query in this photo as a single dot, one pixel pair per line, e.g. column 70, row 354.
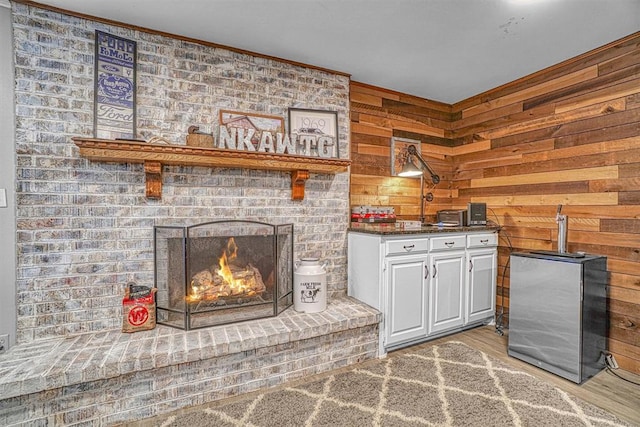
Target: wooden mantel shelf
column 155, row 155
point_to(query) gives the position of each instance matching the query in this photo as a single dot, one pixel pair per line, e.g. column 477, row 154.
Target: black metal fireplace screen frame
column 172, row 264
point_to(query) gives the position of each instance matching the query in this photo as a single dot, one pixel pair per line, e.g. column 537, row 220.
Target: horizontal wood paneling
column 533, row 91
column 580, row 147
column 514, row 175
column 566, row 135
column 602, row 57
column 377, row 115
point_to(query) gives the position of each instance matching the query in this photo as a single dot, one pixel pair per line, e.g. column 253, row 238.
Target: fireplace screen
column 222, row 272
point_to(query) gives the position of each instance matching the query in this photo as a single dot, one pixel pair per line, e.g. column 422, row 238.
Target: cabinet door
column 481, row 292
column 406, row 317
column 447, row 287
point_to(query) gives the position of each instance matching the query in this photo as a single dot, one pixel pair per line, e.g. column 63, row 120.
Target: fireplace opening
column 222, row 272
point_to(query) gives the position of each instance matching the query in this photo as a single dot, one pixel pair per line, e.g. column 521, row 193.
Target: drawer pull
column 449, row 244
column 408, row 248
column 484, row 241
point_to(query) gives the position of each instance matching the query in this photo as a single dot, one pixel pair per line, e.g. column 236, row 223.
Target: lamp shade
column 409, row 169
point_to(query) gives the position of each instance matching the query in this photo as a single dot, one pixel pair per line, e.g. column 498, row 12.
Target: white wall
column 7, row 178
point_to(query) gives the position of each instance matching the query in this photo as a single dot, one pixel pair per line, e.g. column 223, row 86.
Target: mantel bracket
column 153, row 179
column 298, row 180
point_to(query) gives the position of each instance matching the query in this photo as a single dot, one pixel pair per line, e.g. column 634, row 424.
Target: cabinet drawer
column 447, row 243
column 408, row 246
column 482, row 240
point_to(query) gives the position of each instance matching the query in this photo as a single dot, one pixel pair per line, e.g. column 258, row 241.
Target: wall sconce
column 410, row 169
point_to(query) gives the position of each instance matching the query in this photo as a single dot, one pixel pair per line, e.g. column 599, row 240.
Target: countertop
column 394, row 229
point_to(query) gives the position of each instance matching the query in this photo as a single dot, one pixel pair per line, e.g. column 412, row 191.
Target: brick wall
column 85, row 228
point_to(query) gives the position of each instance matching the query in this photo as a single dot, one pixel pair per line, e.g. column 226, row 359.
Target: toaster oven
column 453, row 216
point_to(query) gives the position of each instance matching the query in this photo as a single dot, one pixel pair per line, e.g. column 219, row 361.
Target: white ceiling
column 444, row 50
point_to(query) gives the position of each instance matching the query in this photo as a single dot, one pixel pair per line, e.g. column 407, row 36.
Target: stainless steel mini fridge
column 558, row 312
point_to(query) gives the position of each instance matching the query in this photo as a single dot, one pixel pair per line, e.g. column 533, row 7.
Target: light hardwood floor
column 603, row 390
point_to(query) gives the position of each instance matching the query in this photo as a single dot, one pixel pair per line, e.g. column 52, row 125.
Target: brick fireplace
column 222, row 272
column 85, row 229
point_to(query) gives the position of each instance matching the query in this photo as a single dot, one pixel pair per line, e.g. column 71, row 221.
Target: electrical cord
column 621, row 377
column 500, row 317
column 611, row 369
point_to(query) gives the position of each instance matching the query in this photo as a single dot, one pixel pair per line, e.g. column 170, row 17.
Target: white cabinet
column 407, row 297
column 425, row 285
column 481, row 280
column 482, row 260
column 447, row 263
column 447, row 290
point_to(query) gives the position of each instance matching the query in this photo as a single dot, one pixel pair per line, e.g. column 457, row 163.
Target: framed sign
column 115, row 87
column 258, row 122
column 315, row 125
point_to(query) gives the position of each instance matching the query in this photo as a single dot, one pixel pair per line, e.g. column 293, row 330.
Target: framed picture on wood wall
column 400, row 154
column 315, row 127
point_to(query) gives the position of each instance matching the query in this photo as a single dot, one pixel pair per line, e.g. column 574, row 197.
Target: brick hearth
column 111, row 377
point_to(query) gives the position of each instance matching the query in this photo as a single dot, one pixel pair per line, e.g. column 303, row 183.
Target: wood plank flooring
column 603, row 390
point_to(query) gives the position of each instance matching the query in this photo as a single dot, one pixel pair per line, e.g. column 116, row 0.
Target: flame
column 205, row 286
column 237, row 286
column 229, row 254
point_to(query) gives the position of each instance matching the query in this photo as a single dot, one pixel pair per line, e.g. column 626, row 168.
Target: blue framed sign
column 115, row 87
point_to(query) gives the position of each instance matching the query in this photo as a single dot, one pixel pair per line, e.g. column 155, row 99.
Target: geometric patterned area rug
column 449, row 384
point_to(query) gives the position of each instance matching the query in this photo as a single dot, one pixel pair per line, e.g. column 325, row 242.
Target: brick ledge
column 49, row 364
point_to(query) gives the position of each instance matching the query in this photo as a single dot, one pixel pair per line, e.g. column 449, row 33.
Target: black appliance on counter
column 474, row 215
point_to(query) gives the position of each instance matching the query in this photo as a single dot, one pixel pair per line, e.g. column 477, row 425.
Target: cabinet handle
column 449, row 244
column 485, row 241
column 435, row 271
column 426, row 271
column 408, row 247
column 470, row 265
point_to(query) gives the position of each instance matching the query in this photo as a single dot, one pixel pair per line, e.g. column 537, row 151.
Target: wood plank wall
column 377, row 115
column 568, row 135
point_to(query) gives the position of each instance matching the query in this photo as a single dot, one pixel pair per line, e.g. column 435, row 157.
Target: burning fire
column 230, row 253
column 227, row 280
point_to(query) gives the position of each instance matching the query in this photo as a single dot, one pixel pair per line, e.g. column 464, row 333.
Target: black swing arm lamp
column 410, row 169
